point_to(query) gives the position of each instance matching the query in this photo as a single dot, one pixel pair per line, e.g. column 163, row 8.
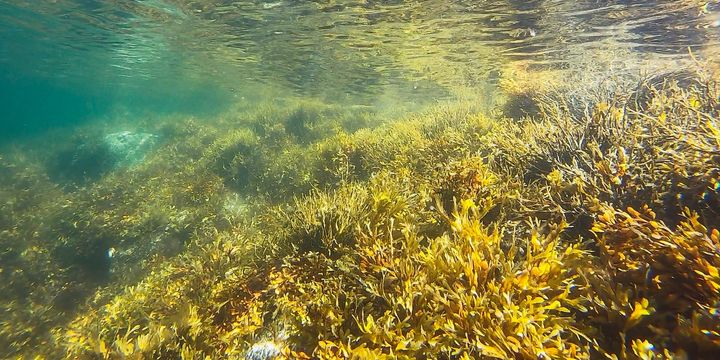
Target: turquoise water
column 60, row 68
column 65, row 62
column 32, row 105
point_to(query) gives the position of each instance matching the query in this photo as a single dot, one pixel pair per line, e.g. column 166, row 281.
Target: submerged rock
column 87, row 159
column 129, row 148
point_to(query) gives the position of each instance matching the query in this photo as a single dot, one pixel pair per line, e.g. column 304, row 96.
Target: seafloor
column 559, row 225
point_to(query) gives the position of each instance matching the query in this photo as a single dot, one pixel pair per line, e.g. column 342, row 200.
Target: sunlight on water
column 353, row 45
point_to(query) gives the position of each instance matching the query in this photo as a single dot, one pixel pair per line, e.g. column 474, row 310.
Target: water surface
column 78, row 59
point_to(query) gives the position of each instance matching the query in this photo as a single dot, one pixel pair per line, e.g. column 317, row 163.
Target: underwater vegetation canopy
column 385, row 180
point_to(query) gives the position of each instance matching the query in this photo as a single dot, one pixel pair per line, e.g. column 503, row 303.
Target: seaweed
column 454, row 233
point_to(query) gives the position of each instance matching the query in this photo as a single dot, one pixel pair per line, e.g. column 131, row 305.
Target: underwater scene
column 360, row 179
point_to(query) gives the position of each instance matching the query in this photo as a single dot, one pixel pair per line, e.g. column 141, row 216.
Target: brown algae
column 455, row 233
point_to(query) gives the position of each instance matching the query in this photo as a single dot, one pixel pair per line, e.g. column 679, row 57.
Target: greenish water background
column 66, row 62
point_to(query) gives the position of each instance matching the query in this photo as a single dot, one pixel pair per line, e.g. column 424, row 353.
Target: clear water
column 85, row 64
column 65, row 61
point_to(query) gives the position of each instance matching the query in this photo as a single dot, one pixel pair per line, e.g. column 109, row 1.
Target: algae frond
column 454, row 233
